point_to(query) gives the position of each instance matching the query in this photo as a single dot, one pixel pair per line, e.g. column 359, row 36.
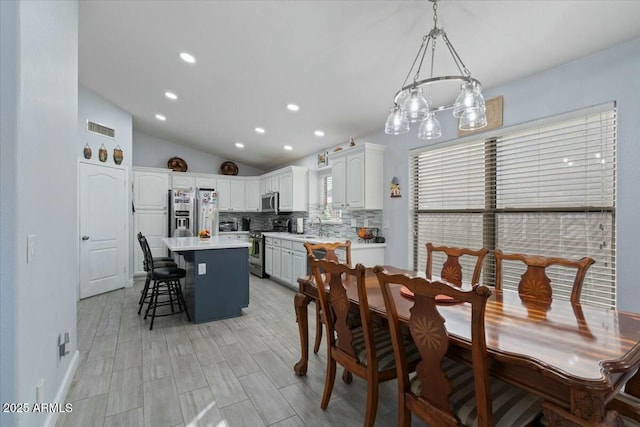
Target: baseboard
column 130, row 284
column 63, row 391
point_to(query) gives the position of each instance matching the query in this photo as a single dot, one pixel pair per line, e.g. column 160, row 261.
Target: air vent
column 100, row 129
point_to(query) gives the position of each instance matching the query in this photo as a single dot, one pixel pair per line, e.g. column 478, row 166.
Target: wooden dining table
column 575, row 357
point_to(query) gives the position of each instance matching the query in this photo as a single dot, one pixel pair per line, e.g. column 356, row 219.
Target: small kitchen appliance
column 271, row 203
column 246, row 224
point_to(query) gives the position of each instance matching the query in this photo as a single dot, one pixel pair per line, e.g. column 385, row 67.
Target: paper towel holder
column 300, row 225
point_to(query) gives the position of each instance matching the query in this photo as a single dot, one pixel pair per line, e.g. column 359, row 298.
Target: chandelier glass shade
column 411, row 106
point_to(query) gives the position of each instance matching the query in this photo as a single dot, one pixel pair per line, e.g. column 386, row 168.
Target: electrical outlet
column 40, row 391
column 202, row 269
column 353, row 222
column 366, row 222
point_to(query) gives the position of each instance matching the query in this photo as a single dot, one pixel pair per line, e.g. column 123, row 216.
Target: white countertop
column 232, row 232
column 316, row 239
column 179, row 244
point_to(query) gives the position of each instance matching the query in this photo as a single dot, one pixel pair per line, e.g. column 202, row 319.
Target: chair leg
column 372, row 402
column 316, row 345
column 329, row 380
column 181, row 299
column 347, row 376
column 144, row 294
column 154, row 298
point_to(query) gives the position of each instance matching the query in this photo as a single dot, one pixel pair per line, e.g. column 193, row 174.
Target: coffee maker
column 245, row 224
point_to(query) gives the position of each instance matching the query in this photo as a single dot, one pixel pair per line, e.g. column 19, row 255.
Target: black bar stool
column 158, row 262
column 166, row 282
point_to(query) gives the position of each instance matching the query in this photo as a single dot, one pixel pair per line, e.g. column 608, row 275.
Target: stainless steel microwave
column 271, row 202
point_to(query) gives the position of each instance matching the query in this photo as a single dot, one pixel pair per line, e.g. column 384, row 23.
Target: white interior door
column 103, row 226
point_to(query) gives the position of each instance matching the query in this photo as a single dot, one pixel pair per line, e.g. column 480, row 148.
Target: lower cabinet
column 268, row 256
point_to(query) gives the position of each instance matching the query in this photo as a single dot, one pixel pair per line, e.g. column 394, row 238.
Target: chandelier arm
column 424, row 52
column 422, row 46
column 456, row 57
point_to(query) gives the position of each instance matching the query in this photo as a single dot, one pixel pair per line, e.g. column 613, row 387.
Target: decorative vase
column 351, row 142
column 87, row 151
column 117, row 155
column 102, row 153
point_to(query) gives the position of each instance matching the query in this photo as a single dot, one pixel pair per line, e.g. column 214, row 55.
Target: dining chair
column 534, row 282
column 365, row 350
column 444, row 392
column 158, row 262
column 165, row 282
column 328, row 252
column 451, row 269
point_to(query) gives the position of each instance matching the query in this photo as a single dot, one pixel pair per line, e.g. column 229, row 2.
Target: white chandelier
column 411, row 106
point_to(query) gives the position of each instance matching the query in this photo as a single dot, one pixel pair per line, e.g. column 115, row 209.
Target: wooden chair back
column 330, row 250
column 335, row 306
column 535, row 283
column 451, row 269
column 427, row 327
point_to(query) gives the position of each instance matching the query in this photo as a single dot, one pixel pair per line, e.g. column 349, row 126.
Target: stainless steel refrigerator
column 206, row 210
column 181, row 213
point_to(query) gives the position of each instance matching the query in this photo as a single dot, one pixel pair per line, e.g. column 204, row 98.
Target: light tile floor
column 235, row 372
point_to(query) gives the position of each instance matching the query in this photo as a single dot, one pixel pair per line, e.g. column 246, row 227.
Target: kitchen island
column 217, row 282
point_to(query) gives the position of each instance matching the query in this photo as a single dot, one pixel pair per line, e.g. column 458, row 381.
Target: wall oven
column 271, row 202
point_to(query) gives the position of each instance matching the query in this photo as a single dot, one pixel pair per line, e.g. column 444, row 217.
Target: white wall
column 154, row 152
column 610, row 75
column 39, row 158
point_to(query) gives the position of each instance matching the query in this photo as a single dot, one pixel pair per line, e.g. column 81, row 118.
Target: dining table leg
column 587, row 411
column 301, row 303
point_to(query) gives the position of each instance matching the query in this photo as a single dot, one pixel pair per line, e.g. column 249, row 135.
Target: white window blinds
column 548, row 190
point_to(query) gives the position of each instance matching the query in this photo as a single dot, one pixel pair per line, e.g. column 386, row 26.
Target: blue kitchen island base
column 223, row 291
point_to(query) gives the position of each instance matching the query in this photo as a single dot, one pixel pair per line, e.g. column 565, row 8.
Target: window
column 546, row 189
column 326, row 191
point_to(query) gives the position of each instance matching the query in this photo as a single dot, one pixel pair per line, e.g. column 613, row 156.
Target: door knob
column 85, row 237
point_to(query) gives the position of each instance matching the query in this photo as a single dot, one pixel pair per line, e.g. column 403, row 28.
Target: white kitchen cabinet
column 150, row 189
column 230, row 194
column 205, row 182
column 252, row 195
column 268, row 256
column 180, row 180
column 286, row 266
column 299, row 263
column 224, row 194
column 357, row 177
column 269, row 183
column 153, row 225
column 150, row 200
column 277, row 259
column 236, row 196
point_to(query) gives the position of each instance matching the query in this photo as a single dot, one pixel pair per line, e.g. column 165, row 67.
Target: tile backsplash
column 260, row 221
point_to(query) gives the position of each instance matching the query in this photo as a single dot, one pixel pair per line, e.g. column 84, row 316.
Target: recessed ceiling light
column 288, row 147
column 260, row 130
column 171, row 95
column 187, row 57
column 161, row 117
column 239, row 145
column 292, row 107
column 318, row 133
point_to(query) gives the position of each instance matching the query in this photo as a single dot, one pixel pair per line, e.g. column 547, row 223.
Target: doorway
column 103, row 228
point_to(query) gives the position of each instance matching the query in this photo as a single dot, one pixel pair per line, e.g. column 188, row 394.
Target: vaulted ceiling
column 340, row 61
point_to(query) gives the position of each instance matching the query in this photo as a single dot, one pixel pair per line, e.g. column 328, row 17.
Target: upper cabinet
column 252, row 195
column 357, row 177
column 192, row 181
column 150, row 189
column 292, row 184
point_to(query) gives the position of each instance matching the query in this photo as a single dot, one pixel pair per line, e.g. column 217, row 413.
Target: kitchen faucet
column 320, row 231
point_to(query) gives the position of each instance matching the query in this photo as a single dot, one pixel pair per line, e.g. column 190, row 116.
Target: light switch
column 31, row 247
column 366, row 222
column 202, row 269
column 353, row 222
